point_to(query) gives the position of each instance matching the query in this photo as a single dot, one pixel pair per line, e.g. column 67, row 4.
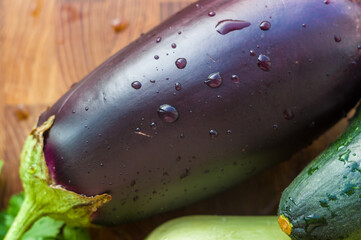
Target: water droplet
column 212, row 14
column 181, row 63
column 288, row 114
column 181, row 135
column 178, row 86
column 137, row 129
column 156, row 57
column 265, row 25
column 337, row 38
column 213, row 134
column 275, row 127
column 21, row 113
column 197, row 5
column 327, row 1
column 252, row 53
column 86, row 108
column 174, row 45
column 304, row 25
column 331, row 197
column 152, row 81
column 184, row 174
column 102, row 164
column 168, row 113
column 350, row 189
column 229, row 131
column 158, row 40
column 324, row 203
column 264, row 62
column 214, row 80
column 153, row 125
column 136, row 85
column 359, row 47
column 119, row 24
column 343, row 157
column 313, row 221
column 235, row 79
column 225, row 26
column 132, row 183
column 312, row 170
column 180, row 32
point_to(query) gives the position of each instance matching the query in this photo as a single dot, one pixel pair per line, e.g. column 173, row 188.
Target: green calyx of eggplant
column 43, row 197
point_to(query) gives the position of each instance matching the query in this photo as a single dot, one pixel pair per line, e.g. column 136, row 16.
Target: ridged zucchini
column 324, row 201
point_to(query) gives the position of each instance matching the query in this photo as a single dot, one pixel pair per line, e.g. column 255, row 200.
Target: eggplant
column 215, row 94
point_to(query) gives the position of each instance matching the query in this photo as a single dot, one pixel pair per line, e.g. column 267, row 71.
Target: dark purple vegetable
column 223, row 95
column 154, row 149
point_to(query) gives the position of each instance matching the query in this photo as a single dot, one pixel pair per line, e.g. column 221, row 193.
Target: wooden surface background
column 46, row 45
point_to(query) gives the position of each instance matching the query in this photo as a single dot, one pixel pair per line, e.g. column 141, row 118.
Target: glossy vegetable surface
column 222, row 96
column 219, row 227
column 324, row 201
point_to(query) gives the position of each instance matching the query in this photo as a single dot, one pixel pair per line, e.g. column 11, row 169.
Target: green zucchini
column 219, row 228
column 324, row 201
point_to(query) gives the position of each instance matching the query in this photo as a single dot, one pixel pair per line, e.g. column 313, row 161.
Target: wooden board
column 47, row 45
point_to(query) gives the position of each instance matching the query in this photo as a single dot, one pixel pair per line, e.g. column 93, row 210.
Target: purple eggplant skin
column 108, row 137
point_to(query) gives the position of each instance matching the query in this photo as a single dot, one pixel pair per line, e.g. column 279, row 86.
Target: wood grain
column 47, row 45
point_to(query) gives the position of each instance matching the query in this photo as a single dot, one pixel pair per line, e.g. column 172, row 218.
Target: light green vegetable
column 1, row 164
column 219, row 228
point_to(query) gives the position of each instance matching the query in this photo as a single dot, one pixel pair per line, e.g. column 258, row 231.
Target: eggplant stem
column 43, row 197
column 29, row 213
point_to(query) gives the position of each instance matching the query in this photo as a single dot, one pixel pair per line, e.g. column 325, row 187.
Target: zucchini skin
column 95, row 147
column 324, row 201
column 204, row 227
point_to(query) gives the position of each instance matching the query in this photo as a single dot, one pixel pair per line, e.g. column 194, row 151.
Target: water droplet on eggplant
column 226, row 26
column 184, row 174
column 136, row 85
column 235, row 79
column 264, row 62
column 213, row 134
column 337, row 38
column 178, row 86
column 214, row 80
column 212, row 14
column 288, row 114
column 168, row 113
column 181, row 63
column 153, row 125
column 265, row 25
